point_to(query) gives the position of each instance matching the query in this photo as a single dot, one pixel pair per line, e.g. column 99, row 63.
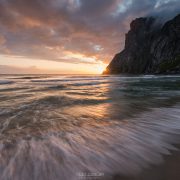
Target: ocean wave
column 13, row 89
column 125, row 147
column 2, row 82
column 24, row 105
column 62, row 79
column 48, row 88
column 59, row 129
column 62, row 101
column 56, row 87
column 28, row 77
column 90, row 83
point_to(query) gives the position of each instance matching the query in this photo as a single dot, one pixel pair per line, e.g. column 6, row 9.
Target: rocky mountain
column 150, row 48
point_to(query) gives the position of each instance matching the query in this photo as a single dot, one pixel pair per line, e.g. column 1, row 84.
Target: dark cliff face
column 149, row 48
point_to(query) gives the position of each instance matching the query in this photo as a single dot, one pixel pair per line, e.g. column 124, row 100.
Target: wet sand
column 168, row 170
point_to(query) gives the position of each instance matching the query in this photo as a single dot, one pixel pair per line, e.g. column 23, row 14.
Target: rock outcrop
column 149, row 48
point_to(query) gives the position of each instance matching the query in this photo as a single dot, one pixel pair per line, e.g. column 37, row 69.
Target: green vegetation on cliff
column 170, row 65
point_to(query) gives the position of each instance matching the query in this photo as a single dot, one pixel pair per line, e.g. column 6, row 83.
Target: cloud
column 4, row 69
column 2, row 40
column 7, row 69
column 43, row 29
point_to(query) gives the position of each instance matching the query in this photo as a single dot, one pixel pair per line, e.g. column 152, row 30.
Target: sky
column 69, row 36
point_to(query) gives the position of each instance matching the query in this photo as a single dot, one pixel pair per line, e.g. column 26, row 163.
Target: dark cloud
column 51, row 29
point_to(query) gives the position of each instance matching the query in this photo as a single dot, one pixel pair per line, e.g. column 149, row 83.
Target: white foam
column 124, row 147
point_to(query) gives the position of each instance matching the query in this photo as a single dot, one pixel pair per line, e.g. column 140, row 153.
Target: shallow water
column 74, row 127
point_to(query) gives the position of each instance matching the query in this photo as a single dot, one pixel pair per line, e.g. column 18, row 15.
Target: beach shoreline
column 167, row 170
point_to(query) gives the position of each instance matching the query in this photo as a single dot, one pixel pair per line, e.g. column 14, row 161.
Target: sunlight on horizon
column 49, row 66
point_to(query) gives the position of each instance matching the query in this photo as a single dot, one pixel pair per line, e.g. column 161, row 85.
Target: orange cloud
column 72, row 31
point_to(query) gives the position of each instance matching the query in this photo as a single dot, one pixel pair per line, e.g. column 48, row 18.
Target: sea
column 71, row 127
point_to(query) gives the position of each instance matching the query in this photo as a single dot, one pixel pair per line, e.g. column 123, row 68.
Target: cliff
column 149, row 48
